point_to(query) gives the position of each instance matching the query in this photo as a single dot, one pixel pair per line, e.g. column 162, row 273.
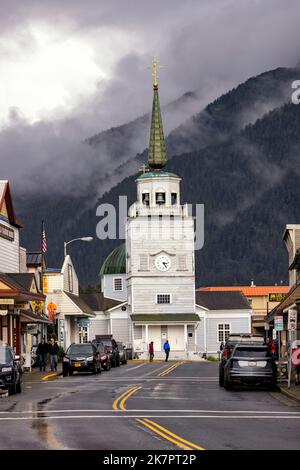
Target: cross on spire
column 155, row 68
column 144, row 168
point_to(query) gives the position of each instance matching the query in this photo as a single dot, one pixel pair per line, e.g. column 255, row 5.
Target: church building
column 148, row 283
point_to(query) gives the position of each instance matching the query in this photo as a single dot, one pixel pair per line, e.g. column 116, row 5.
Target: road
column 150, row 406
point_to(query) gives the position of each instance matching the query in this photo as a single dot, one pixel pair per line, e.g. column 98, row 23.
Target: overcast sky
column 72, row 68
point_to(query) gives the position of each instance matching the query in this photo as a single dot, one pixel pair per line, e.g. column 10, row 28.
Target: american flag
column 44, row 240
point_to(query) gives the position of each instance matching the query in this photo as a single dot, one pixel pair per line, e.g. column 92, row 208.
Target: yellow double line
column 170, row 369
column 119, row 404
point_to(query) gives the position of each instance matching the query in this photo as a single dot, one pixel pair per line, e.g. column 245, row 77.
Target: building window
column 70, row 277
column 144, row 265
column 83, row 334
column 182, row 262
column 146, row 199
column 223, row 332
column 160, row 198
column 163, row 298
column 173, row 199
column 118, row 283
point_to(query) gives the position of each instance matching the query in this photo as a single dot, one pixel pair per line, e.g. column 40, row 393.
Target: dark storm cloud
column 208, row 46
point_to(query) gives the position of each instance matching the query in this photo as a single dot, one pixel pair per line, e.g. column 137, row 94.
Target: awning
column 166, row 317
column 30, row 317
column 290, row 299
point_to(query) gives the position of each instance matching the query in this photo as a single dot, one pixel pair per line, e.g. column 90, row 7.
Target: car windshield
column 107, row 343
column 251, row 352
column 80, row 349
column 5, row 355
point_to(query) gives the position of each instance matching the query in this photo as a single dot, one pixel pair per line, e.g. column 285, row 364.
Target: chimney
column 252, row 283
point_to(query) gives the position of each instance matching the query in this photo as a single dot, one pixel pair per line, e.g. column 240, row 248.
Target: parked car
column 122, row 353
column 232, row 341
column 10, row 370
column 250, row 365
column 104, row 357
column 82, row 358
column 110, row 347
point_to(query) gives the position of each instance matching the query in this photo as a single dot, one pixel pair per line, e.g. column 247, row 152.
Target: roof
column 157, row 154
column 248, row 291
column 80, row 303
column 157, row 174
column 22, row 282
column 34, row 258
column 5, row 197
column 229, row 300
column 97, row 302
column 115, row 263
column 167, row 317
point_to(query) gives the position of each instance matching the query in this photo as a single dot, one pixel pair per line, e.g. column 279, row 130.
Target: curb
column 51, row 376
column 289, row 394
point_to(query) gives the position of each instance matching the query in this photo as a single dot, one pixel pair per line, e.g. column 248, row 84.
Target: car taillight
column 225, row 353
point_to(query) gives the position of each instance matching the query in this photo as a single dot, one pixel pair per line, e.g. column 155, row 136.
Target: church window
column 160, row 198
column 223, row 332
column 182, row 262
column 173, row 199
column 144, row 265
column 163, row 298
column 146, row 199
column 118, row 283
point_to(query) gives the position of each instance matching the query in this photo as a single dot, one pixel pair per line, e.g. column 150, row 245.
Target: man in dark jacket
column 53, row 351
column 167, row 349
column 41, row 351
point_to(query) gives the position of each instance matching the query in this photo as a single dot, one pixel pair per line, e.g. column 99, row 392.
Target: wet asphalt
column 184, row 407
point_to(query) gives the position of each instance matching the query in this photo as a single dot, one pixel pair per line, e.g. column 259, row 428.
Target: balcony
column 144, row 210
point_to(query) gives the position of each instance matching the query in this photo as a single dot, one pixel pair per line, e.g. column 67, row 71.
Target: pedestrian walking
column 53, row 351
column 167, row 349
column 41, row 351
column 272, row 348
column 151, row 351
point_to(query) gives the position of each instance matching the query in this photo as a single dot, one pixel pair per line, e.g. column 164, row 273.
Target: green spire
column 157, row 155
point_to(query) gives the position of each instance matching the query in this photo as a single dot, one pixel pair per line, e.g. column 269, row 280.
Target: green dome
column 115, row 263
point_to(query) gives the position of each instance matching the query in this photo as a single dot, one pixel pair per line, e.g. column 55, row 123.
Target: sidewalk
column 37, row 376
column 293, row 392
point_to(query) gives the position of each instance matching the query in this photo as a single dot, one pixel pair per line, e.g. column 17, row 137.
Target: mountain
column 231, row 155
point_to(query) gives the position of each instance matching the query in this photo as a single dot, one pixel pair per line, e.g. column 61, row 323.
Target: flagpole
column 42, row 253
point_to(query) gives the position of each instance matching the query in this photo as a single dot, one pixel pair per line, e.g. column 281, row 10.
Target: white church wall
column 108, row 287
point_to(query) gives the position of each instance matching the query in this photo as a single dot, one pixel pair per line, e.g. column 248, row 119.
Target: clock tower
column 160, row 269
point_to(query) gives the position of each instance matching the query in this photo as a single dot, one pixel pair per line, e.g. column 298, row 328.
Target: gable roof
column 22, row 283
column 80, row 303
column 34, row 258
column 228, row 300
column 248, row 291
column 5, row 198
column 98, row 302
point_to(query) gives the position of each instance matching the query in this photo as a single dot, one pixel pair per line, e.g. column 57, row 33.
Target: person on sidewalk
column 53, row 351
column 41, row 351
column 167, row 349
column 151, row 351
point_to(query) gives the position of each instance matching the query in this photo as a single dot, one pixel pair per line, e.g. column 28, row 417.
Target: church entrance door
column 176, row 337
column 154, row 334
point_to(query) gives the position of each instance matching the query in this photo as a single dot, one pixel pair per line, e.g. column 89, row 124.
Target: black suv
column 111, row 348
column 83, row 357
column 250, row 365
column 10, row 370
column 232, row 341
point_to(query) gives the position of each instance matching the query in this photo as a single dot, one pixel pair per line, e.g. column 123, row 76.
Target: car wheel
column 19, row 387
column 227, row 384
column 221, row 378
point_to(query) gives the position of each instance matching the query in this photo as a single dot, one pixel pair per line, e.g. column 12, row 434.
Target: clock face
column 162, row 263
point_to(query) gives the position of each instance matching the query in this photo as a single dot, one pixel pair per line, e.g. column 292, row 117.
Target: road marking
column 117, row 400
column 119, row 403
column 122, row 403
column 100, row 410
column 135, row 367
column 138, row 417
column 170, row 369
column 191, row 444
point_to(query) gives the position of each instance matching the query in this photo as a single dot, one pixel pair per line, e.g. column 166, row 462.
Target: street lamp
column 83, row 239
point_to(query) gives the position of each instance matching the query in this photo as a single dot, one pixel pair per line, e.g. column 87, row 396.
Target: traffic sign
column 278, row 323
column 292, row 319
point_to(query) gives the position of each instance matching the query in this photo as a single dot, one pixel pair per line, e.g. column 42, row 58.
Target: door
column 154, row 334
column 176, row 337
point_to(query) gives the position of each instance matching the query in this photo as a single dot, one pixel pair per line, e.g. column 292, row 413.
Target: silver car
column 123, row 354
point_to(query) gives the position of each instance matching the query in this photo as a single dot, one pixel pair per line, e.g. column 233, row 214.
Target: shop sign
column 278, row 323
column 277, row 297
column 83, row 322
column 7, row 301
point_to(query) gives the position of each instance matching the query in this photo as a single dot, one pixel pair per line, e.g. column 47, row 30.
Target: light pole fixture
column 83, row 239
